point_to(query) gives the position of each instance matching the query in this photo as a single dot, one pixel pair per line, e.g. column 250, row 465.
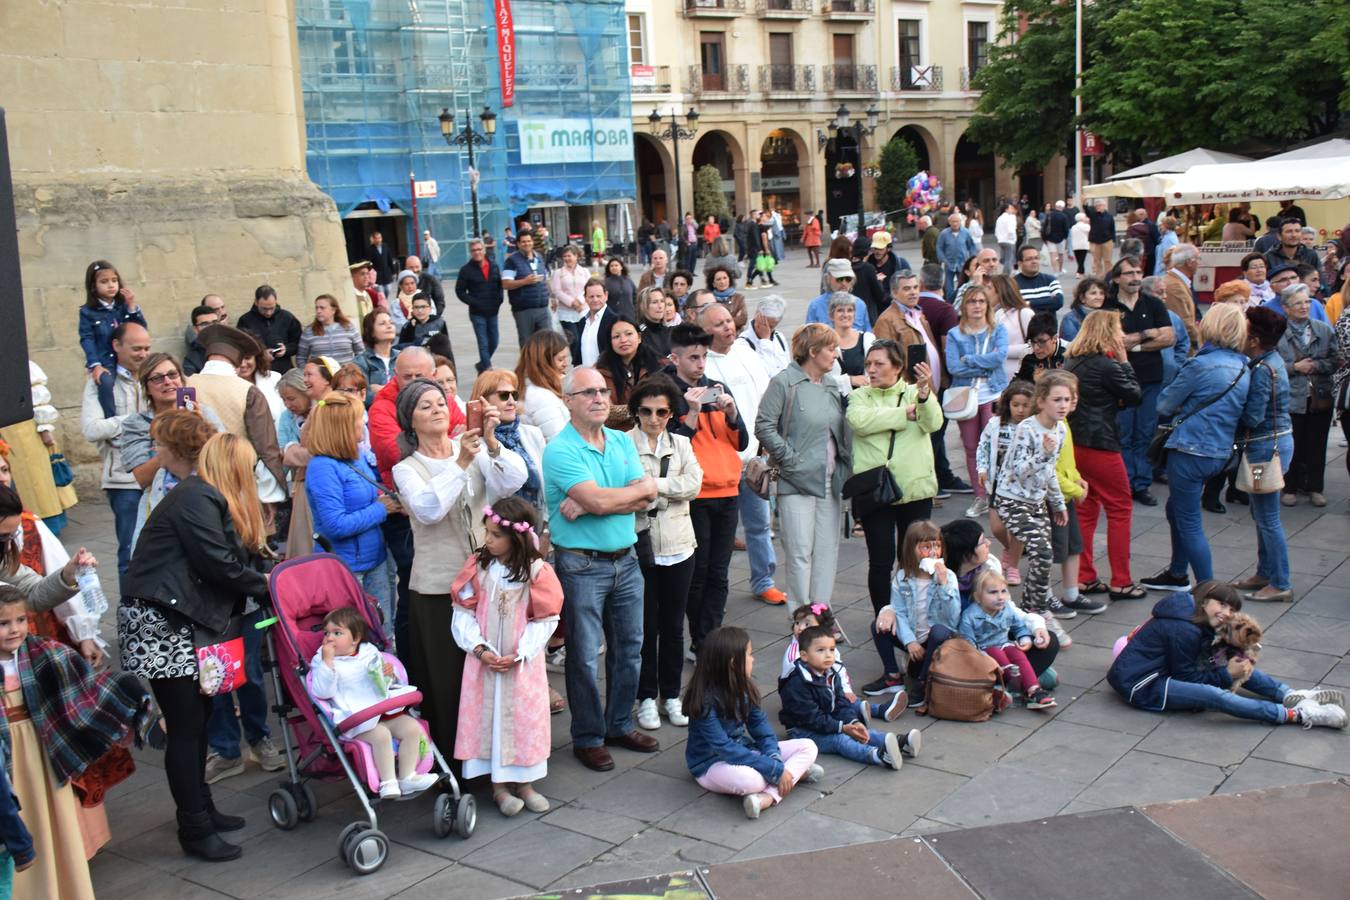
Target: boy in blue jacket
column 16, row 844
column 814, row 707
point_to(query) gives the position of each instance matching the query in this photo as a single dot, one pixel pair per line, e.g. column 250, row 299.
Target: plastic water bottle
column 91, row 589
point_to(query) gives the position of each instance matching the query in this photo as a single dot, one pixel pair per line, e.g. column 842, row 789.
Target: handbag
column 875, row 488
column 1157, row 446
column 220, row 657
column 646, row 554
column 762, row 471
column 61, row 472
column 962, row 403
column 1264, row 477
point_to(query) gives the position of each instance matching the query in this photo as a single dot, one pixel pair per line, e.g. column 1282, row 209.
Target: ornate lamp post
column 855, row 131
column 674, row 133
column 467, row 137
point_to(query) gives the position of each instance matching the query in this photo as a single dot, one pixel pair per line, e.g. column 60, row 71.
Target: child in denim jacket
column 993, row 624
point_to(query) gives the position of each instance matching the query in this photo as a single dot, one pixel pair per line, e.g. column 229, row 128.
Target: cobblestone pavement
column 648, row 817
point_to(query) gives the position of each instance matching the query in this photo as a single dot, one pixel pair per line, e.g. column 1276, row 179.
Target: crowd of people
column 595, row 496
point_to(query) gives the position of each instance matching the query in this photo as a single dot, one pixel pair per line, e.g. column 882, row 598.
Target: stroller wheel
column 307, row 805
column 368, row 851
column 282, row 808
column 466, row 815
column 345, row 837
column 443, row 815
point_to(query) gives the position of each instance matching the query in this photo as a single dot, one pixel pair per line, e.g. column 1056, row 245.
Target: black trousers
column 715, row 530
column 186, row 711
column 885, row 532
column 665, row 593
column 1081, row 256
column 941, row 467
column 1308, row 468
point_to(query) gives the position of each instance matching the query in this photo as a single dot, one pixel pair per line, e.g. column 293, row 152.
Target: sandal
column 1094, row 587
column 556, row 702
column 1129, row 592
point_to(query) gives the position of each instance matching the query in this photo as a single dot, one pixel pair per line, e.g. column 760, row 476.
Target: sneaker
column 978, row 508
column 1013, row 576
column 957, row 486
column 942, row 494
column 556, row 660
column 813, row 774
column 916, row 700
column 891, row 756
column 1049, row 679
column 886, row 684
column 1317, row 499
column 389, row 790
column 772, row 596
column 753, row 803
column 416, row 784
column 911, row 742
column 691, row 655
column 268, row 756
column 1041, row 699
column 1324, row 696
column 675, row 713
column 1289, row 499
column 1059, row 610
column 897, row 707
column 1325, row 715
column 219, row 768
column 1166, row 581
column 865, row 713
column 647, row 716
column 1052, row 625
column 1085, row 605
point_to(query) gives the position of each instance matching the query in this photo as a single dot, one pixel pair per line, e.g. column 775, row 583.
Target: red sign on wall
column 1092, row 145
column 506, row 51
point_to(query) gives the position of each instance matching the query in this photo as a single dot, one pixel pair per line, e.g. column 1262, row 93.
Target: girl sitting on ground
column 997, row 627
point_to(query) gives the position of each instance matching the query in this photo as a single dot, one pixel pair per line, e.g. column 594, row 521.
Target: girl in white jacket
column 352, row 675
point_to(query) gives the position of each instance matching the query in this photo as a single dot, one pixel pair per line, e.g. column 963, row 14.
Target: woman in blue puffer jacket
column 1170, row 662
column 346, row 499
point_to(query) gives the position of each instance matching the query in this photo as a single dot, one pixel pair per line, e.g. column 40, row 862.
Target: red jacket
column 382, row 422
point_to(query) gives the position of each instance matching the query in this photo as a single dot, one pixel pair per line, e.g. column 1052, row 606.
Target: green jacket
column 873, row 413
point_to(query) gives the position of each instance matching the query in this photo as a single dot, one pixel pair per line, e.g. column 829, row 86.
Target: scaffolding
column 375, row 74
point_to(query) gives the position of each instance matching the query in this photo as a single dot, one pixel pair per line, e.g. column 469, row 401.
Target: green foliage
column 708, row 197
column 899, row 163
column 1164, row 76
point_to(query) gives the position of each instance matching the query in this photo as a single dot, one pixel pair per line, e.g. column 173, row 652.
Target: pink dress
column 504, row 717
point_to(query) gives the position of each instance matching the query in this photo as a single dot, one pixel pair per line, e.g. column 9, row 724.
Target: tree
column 899, row 163
column 709, row 200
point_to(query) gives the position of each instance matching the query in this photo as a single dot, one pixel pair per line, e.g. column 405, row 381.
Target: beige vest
column 226, row 395
column 440, row 549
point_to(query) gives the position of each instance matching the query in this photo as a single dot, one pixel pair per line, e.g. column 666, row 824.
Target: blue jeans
column 949, row 283
column 604, row 602
column 1272, row 550
column 380, row 583
column 1186, row 477
column 758, row 542
column 398, row 538
column 1137, row 425
column 845, row 746
column 125, row 504
column 1189, row 695
column 222, row 729
column 485, row 332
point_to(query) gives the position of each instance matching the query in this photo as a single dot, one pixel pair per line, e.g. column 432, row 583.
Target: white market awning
column 1330, row 148
column 1271, row 179
column 1179, row 162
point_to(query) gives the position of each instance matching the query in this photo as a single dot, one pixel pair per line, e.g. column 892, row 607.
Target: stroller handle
column 399, row 701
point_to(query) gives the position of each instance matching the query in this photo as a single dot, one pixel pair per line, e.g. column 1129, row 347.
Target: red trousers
column 1109, row 489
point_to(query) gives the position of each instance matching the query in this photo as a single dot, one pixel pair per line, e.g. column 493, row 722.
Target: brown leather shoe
column 594, row 758
column 635, row 740
column 1251, row 583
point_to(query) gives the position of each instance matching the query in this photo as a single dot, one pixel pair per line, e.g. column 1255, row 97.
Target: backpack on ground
column 964, row 683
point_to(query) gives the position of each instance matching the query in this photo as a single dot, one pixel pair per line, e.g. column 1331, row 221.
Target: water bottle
column 91, row 589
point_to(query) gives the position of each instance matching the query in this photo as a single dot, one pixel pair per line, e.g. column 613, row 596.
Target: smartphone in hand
column 186, row 398
column 473, row 414
column 914, row 354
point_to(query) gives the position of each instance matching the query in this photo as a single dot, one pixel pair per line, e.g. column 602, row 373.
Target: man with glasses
column 525, row 278
column 762, row 335
column 839, row 276
column 594, row 483
column 216, row 304
column 427, row 283
column 1047, row 350
column 425, row 329
column 195, row 358
column 479, row 287
column 1286, row 275
column 275, row 328
column 1040, row 289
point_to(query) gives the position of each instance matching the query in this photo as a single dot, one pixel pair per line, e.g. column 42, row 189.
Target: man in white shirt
column 738, row 367
column 768, row 344
column 593, row 338
column 1005, row 231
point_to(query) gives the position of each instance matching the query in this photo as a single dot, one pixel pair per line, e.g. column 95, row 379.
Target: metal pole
column 417, row 234
column 473, row 185
column 1078, row 103
column 679, row 192
column 857, row 145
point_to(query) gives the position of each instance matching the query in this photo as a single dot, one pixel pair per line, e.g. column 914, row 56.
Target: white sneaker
column 1316, row 695
column 1052, row 625
column 416, row 784
column 913, row 741
column 1323, row 714
column 891, row 755
column 389, row 790
column 978, row 508
column 647, row 716
column 556, row 660
column 675, row 713
column 753, row 803
column 813, row 774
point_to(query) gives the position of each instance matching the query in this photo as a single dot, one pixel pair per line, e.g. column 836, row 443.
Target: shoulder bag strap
column 1222, row 394
column 899, row 402
column 378, row 486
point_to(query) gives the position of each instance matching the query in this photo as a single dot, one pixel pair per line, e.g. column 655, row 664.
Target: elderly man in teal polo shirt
column 595, row 483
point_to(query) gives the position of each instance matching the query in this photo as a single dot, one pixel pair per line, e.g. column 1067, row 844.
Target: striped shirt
column 342, row 342
column 1042, row 292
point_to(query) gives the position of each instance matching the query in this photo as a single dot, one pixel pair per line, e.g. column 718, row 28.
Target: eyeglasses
column 421, row 306
column 356, row 391
column 1041, row 341
column 591, row 393
column 845, row 278
column 647, row 412
column 503, row 396
column 163, row 377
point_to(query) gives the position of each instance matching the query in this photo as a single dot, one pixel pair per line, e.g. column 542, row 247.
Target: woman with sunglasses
column 665, row 548
column 498, row 387
column 160, row 379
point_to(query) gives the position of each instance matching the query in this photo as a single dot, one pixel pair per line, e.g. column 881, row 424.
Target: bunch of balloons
column 922, row 193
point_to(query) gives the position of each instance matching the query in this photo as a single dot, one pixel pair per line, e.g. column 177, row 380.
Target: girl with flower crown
column 506, row 604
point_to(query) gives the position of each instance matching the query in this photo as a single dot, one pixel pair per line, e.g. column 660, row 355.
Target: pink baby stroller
column 304, row 590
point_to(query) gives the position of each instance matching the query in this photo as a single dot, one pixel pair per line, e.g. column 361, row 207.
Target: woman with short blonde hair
column 1224, row 326
column 810, row 339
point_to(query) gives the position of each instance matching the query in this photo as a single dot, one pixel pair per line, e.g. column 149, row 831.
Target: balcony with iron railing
column 786, row 9
column 846, row 78
column 714, row 9
column 856, row 10
column 650, row 79
column 777, row 78
column 732, row 81
column 968, row 79
column 916, row 78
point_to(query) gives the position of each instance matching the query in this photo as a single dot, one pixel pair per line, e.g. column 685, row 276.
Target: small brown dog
column 1239, row 637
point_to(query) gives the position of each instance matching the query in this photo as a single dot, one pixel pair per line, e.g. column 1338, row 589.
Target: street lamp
column 840, row 126
column 674, row 133
column 467, row 137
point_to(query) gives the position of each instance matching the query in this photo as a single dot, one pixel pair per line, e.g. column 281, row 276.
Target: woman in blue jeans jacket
column 976, row 349
column 346, row 500
column 1169, row 663
column 1269, row 395
column 1209, row 399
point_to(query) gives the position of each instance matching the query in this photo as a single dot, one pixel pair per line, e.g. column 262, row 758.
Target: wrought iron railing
column 788, row 79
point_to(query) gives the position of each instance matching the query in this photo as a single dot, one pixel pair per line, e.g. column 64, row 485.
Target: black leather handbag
column 875, row 488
